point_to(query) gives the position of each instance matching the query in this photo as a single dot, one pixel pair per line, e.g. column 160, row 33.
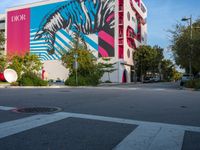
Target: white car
column 185, row 78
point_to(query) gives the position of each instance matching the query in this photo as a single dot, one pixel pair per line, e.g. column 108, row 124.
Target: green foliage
column 151, row 60
column 31, row 79
column 31, row 63
column 167, row 69
column 176, row 75
column 17, row 65
column 147, row 59
column 82, row 80
column 25, row 64
column 3, row 63
column 184, row 48
column 193, row 84
column 89, row 71
column 107, row 67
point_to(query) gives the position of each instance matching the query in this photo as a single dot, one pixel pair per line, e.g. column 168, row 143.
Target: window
column 128, row 16
column 128, row 53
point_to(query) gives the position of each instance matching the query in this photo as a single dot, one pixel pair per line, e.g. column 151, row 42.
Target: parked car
column 151, row 79
column 148, row 80
column 156, row 79
column 185, row 78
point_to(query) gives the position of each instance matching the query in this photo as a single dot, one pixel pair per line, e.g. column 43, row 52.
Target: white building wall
column 128, row 51
column 55, row 70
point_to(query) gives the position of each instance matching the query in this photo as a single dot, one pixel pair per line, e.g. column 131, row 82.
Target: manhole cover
column 183, row 106
column 37, row 110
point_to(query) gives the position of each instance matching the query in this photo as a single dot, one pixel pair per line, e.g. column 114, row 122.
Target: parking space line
column 6, row 108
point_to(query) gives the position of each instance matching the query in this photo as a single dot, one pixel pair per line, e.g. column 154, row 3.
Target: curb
column 30, row 87
column 81, row 87
column 75, row 87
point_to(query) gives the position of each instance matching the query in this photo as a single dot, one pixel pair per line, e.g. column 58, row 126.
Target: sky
column 162, row 16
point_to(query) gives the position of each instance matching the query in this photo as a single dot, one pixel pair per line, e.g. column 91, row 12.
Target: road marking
column 168, row 139
column 140, row 139
column 20, row 125
column 158, row 89
column 153, row 138
column 147, row 136
column 133, row 122
column 114, row 88
column 6, row 108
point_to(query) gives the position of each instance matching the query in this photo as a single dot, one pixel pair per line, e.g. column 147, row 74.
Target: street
column 158, row 116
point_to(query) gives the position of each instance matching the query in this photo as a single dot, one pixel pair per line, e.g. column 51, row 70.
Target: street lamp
column 190, row 61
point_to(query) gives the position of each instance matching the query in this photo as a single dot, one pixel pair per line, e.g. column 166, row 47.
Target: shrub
column 82, row 81
column 3, row 63
column 25, row 64
column 189, row 84
column 31, row 79
column 197, row 85
column 193, row 84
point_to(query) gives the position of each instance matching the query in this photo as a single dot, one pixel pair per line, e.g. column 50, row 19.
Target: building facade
column 110, row 28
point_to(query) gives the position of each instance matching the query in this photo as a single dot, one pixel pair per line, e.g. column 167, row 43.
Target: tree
column 186, row 49
column 25, row 64
column 31, row 63
column 108, row 67
column 3, row 63
column 145, row 58
column 157, row 61
column 167, row 69
column 16, row 63
column 89, row 71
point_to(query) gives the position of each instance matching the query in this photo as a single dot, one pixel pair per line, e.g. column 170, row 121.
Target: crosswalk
column 146, row 136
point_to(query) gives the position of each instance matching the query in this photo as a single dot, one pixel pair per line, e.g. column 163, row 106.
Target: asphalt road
column 140, row 117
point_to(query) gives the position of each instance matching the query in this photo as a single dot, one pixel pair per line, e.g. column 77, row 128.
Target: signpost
column 75, row 65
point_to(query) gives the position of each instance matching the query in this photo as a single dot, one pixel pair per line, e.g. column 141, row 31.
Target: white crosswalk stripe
column 146, row 136
column 6, row 108
column 141, row 138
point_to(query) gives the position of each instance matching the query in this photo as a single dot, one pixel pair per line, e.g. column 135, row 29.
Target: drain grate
column 37, row 110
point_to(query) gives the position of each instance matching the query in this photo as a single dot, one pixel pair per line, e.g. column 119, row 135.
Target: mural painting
column 52, row 27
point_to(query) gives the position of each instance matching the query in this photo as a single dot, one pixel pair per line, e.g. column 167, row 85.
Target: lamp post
column 190, row 58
